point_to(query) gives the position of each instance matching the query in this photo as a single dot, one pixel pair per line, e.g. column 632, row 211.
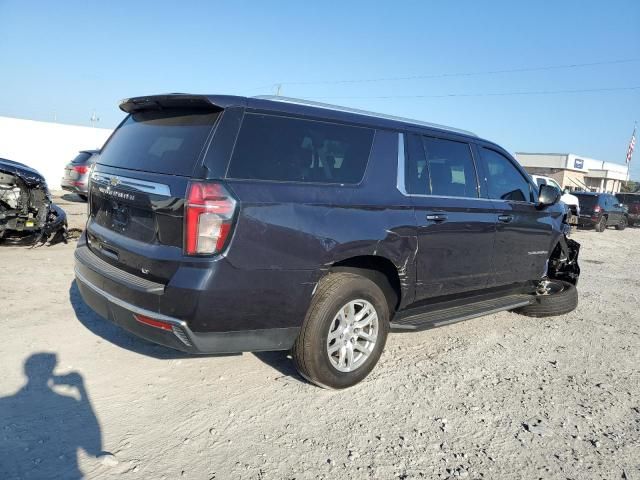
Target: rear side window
column 417, row 180
column 166, row 141
column 504, row 180
column 450, row 168
column 295, row 150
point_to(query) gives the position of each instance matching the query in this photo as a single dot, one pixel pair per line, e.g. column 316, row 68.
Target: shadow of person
column 41, row 430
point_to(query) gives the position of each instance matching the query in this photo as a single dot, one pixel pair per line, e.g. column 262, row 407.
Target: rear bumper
column 587, row 221
column 180, row 336
column 75, row 186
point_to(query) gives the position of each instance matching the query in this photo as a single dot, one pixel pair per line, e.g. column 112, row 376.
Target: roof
column 280, row 104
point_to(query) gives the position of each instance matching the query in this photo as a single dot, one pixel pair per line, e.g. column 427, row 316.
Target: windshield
column 167, row 141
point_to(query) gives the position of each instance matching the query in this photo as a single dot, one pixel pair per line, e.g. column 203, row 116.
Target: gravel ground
column 503, row 396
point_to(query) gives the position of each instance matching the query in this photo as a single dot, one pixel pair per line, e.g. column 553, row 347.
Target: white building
column 575, row 172
column 47, row 146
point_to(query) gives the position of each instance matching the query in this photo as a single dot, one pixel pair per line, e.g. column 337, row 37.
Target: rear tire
column 320, row 352
column 623, row 224
column 563, row 301
column 601, row 226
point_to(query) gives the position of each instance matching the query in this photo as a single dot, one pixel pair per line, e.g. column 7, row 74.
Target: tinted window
column 294, row 150
column 587, row 201
column 167, row 141
column 416, row 172
column 504, row 180
column 82, row 157
column 450, row 167
column 628, row 199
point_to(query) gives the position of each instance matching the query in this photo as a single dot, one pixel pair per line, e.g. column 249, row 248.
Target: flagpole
column 635, row 124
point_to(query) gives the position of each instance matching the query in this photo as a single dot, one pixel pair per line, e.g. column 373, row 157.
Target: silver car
column 76, row 173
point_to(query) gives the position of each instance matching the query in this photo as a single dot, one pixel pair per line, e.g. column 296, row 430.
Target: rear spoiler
column 181, row 100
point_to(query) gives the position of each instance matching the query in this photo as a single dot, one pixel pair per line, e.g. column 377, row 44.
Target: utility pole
column 278, row 89
column 94, row 119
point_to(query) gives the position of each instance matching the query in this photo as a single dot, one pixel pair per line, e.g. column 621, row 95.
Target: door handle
column 505, row 218
column 436, row 217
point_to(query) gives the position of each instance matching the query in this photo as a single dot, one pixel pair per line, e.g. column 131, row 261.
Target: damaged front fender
column 27, row 214
column 563, row 263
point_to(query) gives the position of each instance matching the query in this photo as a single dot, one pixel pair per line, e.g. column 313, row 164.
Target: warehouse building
column 575, row 172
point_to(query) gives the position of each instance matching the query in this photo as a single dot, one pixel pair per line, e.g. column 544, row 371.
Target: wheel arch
column 379, row 270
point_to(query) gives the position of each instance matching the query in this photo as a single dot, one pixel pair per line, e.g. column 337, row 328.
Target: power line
column 490, row 94
column 463, row 74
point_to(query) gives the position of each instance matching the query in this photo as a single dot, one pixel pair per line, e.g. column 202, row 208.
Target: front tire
column 561, row 298
column 344, row 332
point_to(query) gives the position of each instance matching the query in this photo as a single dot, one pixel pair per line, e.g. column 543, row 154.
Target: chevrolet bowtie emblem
column 114, row 181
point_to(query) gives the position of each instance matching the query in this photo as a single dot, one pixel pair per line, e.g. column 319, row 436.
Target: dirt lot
column 502, row 396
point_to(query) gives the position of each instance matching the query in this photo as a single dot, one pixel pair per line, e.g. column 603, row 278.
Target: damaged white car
column 27, row 214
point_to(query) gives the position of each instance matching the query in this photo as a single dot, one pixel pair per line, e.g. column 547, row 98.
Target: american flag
column 632, row 145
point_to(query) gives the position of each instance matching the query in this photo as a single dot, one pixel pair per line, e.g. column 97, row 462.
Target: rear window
column 295, row 150
column 167, row 141
column 587, row 201
column 82, row 157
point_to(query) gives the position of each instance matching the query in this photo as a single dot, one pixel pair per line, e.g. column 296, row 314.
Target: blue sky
column 69, row 58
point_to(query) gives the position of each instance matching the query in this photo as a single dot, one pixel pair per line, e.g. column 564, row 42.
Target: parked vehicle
column 225, row 224
column 571, row 201
column 601, row 210
column 76, row 173
column 27, row 214
column 632, row 202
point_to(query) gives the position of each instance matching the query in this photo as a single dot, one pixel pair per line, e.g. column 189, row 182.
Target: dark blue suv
column 223, row 224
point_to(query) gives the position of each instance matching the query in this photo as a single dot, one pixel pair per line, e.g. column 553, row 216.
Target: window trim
column 401, row 179
column 298, row 182
column 532, row 191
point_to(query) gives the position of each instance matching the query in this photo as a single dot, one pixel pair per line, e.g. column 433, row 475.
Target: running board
column 446, row 316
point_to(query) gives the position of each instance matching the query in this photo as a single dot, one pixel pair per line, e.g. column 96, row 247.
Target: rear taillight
column 81, row 169
column 597, row 209
column 208, row 216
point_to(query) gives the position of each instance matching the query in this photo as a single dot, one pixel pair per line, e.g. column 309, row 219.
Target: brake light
column 152, row 322
column 81, row 169
column 208, row 216
column 597, row 209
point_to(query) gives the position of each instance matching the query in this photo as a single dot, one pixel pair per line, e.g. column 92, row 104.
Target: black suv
column 601, row 210
column 631, row 201
column 226, row 224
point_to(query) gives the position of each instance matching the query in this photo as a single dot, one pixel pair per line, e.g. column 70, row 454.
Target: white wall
column 46, row 146
column 542, row 160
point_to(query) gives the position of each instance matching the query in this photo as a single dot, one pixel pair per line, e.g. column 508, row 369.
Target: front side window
column 450, row 167
column 504, row 180
column 296, row 150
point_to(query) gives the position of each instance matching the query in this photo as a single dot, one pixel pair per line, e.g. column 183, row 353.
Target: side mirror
column 548, row 196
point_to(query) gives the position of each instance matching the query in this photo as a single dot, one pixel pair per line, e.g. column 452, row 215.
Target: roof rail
column 338, row 108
